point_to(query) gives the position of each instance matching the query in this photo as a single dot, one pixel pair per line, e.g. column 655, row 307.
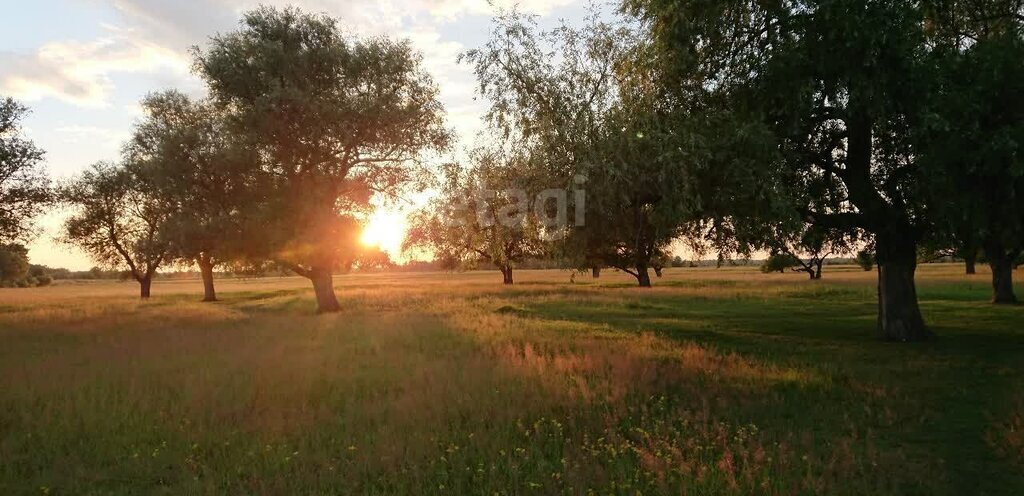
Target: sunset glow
column 385, row 229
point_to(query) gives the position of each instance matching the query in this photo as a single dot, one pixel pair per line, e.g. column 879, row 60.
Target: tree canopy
column 334, row 119
column 24, row 185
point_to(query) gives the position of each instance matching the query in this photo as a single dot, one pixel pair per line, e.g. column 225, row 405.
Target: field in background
column 713, row 382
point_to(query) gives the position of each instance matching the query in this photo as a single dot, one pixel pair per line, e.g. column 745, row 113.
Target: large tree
column 836, row 83
column 334, row 120
column 117, row 221
column 581, row 99
column 24, row 186
column 972, row 142
column 206, row 178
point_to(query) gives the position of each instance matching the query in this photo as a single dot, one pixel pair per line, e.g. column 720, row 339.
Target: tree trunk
column 323, row 286
column 595, row 271
column 206, row 271
column 642, row 277
column 816, row 273
column 899, row 316
column 145, row 283
column 1001, row 263
column 506, row 275
column 970, row 260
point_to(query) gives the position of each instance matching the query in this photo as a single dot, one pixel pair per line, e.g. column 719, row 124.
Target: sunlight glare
column 385, row 230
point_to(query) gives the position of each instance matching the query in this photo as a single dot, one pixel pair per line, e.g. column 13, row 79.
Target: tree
column 866, row 260
column 971, row 145
column 836, row 84
column 24, row 186
column 14, row 266
column 334, row 120
column 198, row 170
column 483, row 213
column 374, row 258
column 581, row 98
column 117, row 221
column 779, row 262
column 810, row 246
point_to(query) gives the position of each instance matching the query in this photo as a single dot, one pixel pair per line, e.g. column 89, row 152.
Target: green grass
column 714, row 382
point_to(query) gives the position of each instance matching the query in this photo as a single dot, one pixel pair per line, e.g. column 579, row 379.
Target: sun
column 386, row 230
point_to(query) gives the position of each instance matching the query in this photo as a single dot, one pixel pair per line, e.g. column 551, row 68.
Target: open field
column 714, row 382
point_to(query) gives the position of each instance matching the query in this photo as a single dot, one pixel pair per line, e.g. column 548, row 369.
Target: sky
column 82, row 66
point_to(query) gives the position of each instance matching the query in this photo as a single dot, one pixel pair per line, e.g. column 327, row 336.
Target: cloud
column 80, row 72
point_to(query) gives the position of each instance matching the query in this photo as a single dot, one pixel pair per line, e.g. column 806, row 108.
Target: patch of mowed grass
column 725, row 382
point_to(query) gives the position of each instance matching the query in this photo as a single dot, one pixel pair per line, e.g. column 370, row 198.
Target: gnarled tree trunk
column 506, row 274
column 323, row 287
column 899, row 316
column 1001, row 263
column 206, row 271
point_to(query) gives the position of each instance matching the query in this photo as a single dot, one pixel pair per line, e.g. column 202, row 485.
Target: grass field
column 714, row 382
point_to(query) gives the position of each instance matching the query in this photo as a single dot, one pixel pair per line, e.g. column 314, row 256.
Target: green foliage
column 865, row 259
column 24, row 186
column 580, row 99
column 117, row 219
column 334, row 120
column 14, row 266
column 779, row 262
column 972, row 140
column 194, row 164
column 484, row 212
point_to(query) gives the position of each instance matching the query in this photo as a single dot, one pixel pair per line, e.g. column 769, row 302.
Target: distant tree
column 207, row 180
column 370, row 258
column 811, row 245
column 483, row 214
column 866, row 260
column 14, row 266
column 779, row 262
column 117, row 221
column 24, row 186
column 334, row 120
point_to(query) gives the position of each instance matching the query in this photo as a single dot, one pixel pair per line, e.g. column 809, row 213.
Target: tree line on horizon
column 808, row 128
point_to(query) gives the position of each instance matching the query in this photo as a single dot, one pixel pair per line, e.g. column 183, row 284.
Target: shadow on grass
column 941, row 397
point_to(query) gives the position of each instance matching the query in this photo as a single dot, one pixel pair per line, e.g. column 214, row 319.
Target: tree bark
column 899, row 316
column 816, row 273
column 1001, row 263
column 506, row 274
column 642, row 276
column 323, row 287
column 145, row 283
column 970, row 261
column 206, row 271
column 595, row 272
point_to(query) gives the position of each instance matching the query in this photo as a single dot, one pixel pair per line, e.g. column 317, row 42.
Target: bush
column 779, row 262
column 866, row 260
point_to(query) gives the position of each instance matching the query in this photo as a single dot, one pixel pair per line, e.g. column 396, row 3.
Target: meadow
column 720, row 381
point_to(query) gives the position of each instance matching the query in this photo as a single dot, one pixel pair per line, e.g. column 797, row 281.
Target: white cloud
column 103, row 137
column 80, row 72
